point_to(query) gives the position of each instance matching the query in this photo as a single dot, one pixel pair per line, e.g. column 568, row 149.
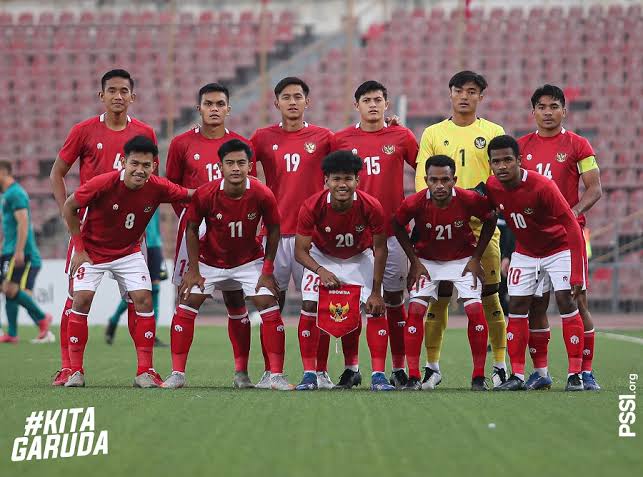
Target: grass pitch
column 211, row 429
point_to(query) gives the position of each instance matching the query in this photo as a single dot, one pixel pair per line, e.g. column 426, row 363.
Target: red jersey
column 292, row 165
column 384, row 153
column 193, row 159
column 117, row 216
column 231, row 236
column 533, row 211
column 98, row 147
column 444, row 234
column 558, row 158
column 341, row 234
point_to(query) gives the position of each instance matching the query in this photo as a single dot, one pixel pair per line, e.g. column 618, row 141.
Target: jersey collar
column 197, row 130
column 102, row 118
column 223, row 183
column 281, row 124
column 428, row 193
column 358, row 125
column 329, row 196
column 562, row 131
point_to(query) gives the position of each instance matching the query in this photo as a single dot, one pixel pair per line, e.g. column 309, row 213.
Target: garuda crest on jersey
column 388, row 149
column 561, row 157
column 310, row 147
column 338, row 312
column 529, row 211
column 459, row 223
column 480, row 142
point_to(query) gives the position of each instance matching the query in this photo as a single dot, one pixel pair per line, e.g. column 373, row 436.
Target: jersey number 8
column 129, row 220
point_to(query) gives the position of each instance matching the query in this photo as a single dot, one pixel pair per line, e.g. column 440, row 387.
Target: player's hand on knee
column 375, row 305
column 417, row 274
column 474, row 267
column 77, row 260
column 328, row 279
column 268, row 281
column 192, row 278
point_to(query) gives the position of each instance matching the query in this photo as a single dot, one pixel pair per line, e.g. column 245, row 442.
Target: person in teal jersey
column 158, row 272
column 20, row 261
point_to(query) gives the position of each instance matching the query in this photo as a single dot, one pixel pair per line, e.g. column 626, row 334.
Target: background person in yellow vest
column 464, row 138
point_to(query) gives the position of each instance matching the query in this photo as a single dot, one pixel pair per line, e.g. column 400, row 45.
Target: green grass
column 211, row 429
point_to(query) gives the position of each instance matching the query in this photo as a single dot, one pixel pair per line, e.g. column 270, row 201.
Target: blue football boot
column 589, row 383
column 308, row 382
column 536, row 382
column 380, row 383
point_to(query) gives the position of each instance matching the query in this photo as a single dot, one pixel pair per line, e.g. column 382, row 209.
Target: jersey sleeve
column 73, row 146
column 174, row 164
column 170, row 192
column 412, row 148
column 195, row 211
column 481, row 207
column 405, row 213
column 305, row 221
column 375, row 216
column 270, row 209
column 425, row 151
column 91, row 189
column 585, row 154
column 255, row 145
column 18, row 201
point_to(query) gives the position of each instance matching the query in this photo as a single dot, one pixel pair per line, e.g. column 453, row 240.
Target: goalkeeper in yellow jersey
column 464, row 138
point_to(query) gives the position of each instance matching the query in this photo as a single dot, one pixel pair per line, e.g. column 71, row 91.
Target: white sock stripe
column 78, row 312
column 238, row 317
column 185, row 307
column 268, row 310
column 309, row 313
column 472, row 302
column 389, row 305
column 145, row 315
column 589, row 332
column 542, row 330
column 369, row 316
column 569, row 315
column 417, row 300
column 512, row 315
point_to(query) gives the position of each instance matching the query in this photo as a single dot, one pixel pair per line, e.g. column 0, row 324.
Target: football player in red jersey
column 192, row 161
column 565, row 158
column 384, row 149
column 341, row 239
column 290, row 154
column 230, row 256
column 549, row 244
column 120, row 204
column 97, row 143
column 445, row 250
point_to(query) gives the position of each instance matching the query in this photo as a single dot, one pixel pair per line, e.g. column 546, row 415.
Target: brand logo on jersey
column 388, row 149
column 275, row 147
column 446, row 142
column 338, row 312
column 148, row 209
column 529, row 157
column 310, row 147
column 459, row 223
column 115, row 206
column 149, row 335
column 480, row 142
column 561, row 157
column 354, row 151
column 219, row 216
column 528, row 211
column 197, row 157
column 99, row 146
column 428, row 226
column 252, row 215
column 359, row 228
column 327, row 229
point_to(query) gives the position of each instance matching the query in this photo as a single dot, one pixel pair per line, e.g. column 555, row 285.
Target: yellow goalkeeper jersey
column 467, row 146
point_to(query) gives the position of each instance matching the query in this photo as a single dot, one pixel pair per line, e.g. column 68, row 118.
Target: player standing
column 549, row 245
column 565, row 158
column 120, row 205
column 192, row 161
column 336, row 230
column 464, row 137
column 97, row 143
column 445, row 250
column 384, row 150
column 291, row 154
column 229, row 257
column 20, row 261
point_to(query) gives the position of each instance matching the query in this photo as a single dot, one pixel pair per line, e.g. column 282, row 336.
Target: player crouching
column 229, row 257
column 336, row 230
column 445, row 250
column 120, row 205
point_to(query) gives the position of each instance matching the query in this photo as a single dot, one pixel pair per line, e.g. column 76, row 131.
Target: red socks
column 588, row 351
column 274, row 338
column 144, row 333
column 181, row 336
column 239, row 333
column 414, row 335
column 308, row 340
column 538, row 344
column 396, row 316
column 377, row 339
column 64, row 336
column 517, row 338
column 322, row 351
column 477, row 332
column 131, row 320
column 350, row 346
column 266, row 360
column 573, row 335
column 77, row 331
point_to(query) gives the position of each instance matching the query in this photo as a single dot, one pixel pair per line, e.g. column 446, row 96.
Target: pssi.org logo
column 60, row 433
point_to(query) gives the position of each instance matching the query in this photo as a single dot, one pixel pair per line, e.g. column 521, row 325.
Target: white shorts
column 527, row 274
column 243, row 277
column 285, row 263
column 450, row 271
column 181, row 253
column 545, row 284
column 130, row 272
column 397, row 267
column 357, row 270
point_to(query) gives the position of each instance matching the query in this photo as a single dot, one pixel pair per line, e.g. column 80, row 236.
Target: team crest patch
column 561, row 157
column 446, row 142
column 197, row 157
column 459, row 223
column 480, row 142
column 338, row 313
column 359, row 228
column 529, row 211
column 115, row 207
column 252, row 215
column 148, row 209
column 388, row 149
column 310, row 147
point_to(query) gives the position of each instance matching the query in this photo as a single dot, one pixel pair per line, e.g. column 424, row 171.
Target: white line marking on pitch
column 616, row 336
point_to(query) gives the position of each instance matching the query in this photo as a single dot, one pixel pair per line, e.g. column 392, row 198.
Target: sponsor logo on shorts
column 144, row 278
column 564, row 278
column 252, row 215
column 459, row 223
column 388, row 149
column 197, row 157
column 480, row 142
column 310, row 147
column 529, row 211
column 561, row 157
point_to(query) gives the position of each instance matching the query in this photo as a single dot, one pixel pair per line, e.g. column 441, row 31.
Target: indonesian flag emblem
column 338, row 310
column 310, row 147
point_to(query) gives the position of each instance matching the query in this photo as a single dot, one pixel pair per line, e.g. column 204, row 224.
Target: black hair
column 369, row 86
column 116, row 74
column 341, row 161
column 463, row 77
column 141, row 144
column 6, row 165
column 234, row 145
column 291, row 80
column 548, row 90
column 440, row 161
column 502, row 142
column 213, row 88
